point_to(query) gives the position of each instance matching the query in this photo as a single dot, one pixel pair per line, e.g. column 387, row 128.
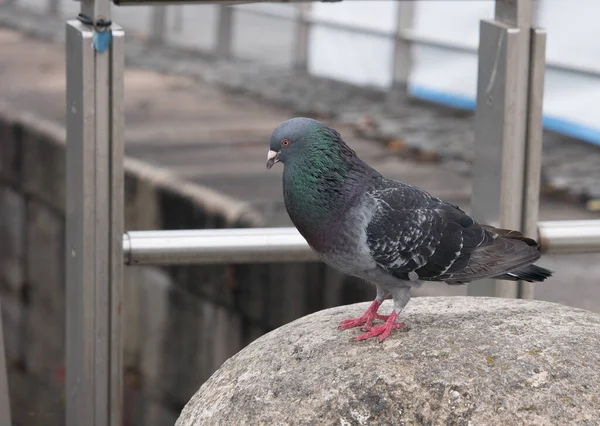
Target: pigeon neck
column 317, row 194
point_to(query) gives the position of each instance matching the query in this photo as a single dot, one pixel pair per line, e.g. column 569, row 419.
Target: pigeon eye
column 285, row 142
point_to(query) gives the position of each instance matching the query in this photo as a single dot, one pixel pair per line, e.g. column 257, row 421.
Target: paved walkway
column 219, row 139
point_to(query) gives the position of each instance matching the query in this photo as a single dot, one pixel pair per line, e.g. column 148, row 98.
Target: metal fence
column 283, row 35
column 161, row 24
column 508, row 134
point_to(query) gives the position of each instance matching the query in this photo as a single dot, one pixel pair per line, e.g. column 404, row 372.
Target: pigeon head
column 301, row 137
column 322, row 176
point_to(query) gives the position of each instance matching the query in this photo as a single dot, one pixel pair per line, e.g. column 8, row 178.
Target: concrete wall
column 181, row 323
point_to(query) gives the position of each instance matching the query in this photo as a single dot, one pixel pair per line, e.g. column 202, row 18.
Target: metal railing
column 302, row 20
column 270, row 245
column 508, row 134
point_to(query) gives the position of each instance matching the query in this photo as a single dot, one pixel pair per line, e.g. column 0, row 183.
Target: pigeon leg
column 369, row 315
column 401, row 297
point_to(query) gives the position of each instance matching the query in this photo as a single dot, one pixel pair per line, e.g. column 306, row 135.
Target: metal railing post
column 402, row 63
column 54, row 7
column 4, row 396
column 158, row 24
column 224, row 45
column 116, row 191
column 94, row 220
column 533, row 145
column 302, row 37
column 501, row 119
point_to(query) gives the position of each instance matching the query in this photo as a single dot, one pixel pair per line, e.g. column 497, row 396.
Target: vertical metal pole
column 225, row 32
column 402, row 63
column 79, row 225
column 158, row 25
column 54, row 7
column 501, row 125
column 302, row 37
column 4, row 395
column 533, row 148
column 117, row 221
column 94, row 222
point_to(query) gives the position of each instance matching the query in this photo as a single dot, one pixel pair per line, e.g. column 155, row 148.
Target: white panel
column 370, row 14
column 443, row 71
column 572, row 98
column 266, row 39
column 192, row 26
column 437, row 71
column 450, row 77
column 135, row 20
column 353, row 58
column 281, row 9
column 349, row 56
column 573, row 31
column 70, row 8
column 40, row 6
column 452, row 21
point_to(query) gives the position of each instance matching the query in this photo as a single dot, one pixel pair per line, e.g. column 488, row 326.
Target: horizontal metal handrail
column 569, row 236
column 265, row 245
column 408, row 36
column 240, row 245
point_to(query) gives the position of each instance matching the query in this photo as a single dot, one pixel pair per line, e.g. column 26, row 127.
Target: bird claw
column 366, row 320
column 383, row 331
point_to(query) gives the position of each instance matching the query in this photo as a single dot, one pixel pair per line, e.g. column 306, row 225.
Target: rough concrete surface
column 464, row 361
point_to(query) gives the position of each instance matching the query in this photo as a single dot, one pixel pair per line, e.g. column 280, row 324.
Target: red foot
column 366, row 318
column 384, row 330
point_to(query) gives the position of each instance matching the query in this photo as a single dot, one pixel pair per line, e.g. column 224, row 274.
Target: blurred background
column 205, row 85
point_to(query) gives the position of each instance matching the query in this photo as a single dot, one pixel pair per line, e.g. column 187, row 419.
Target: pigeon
column 388, row 233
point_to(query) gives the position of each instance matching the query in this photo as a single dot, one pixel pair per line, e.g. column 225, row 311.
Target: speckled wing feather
column 415, row 236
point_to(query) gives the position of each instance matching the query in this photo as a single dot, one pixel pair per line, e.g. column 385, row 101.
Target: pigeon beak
column 272, row 158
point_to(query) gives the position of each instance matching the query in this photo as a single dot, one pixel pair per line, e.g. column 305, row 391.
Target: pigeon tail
column 530, row 273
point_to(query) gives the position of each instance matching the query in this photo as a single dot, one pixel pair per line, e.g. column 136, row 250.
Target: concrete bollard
column 464, row 361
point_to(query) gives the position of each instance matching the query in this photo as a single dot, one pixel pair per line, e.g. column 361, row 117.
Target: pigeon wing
column 415, row 236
